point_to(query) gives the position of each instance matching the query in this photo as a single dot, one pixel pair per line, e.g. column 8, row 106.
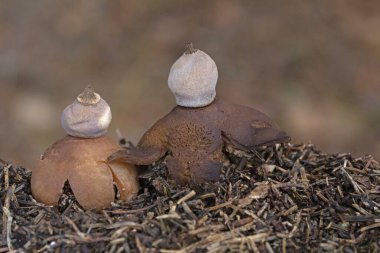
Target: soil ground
column 287, row 198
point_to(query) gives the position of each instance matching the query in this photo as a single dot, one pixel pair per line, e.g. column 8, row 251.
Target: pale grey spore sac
column 87, row 118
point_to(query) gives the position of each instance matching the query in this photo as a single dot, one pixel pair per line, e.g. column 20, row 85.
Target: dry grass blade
column 186, row 197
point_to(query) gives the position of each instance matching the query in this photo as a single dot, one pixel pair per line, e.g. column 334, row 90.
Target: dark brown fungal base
column 193, row 139
column 287, row 197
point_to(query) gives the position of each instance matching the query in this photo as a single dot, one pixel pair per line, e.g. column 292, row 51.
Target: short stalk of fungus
column 194, row 132
column 80, row 158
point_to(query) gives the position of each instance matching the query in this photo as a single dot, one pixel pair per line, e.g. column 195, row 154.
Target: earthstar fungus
column 193, row 134
column 80, row 158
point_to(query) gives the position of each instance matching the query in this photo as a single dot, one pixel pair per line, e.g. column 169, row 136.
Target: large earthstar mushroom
column 192, row 135
column 80, row 158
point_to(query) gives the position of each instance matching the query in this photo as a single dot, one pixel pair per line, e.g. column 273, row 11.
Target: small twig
column 295, row 227
column 290, row 210
column 258, row 155
column 124, row 224
column 360, row 209
column 7, row 218
column 357, row 188
column 322, row 197
column 76, row 229
column 268, row 247
column 216, row 207
column 8, row 226
column 186, row 197
column 108, row 218
column 140, row 246
column 6, row 176
column 255, row 238
column 376, row 225
column 187, row 210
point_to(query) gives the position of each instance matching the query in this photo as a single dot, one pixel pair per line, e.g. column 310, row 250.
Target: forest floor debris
column 287, row 198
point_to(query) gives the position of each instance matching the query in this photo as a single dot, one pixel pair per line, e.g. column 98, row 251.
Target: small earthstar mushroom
column 80, row 159
column 192, row 135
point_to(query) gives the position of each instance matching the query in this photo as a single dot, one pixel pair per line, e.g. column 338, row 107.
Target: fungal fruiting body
column 193, row 138
column 192, row 78
column 81, row 162
column 192, row 135
column 80, row 158
column 88, row 116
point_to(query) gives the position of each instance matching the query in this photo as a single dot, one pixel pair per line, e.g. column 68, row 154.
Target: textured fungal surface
column 193, row 77
column 82, row 162
column 193, row 139
column 88, row 116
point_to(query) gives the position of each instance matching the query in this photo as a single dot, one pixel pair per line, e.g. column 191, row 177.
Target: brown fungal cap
column 82, row 162
column 193, row 138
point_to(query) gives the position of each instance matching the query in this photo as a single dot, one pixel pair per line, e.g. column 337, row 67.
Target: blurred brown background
column 314, row 66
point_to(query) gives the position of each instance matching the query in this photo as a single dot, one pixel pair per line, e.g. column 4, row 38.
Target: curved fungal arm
column 151, row 148
column 246, row 128
column 138, row 155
